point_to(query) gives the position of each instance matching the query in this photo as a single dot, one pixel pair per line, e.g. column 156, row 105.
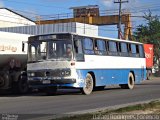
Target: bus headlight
column 31, row 74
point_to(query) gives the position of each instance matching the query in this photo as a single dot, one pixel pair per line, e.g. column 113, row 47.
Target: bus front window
column 50, row 50
column 37, row 51
column 60, row 49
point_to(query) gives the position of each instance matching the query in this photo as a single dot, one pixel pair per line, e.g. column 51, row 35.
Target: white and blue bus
column 84, row 62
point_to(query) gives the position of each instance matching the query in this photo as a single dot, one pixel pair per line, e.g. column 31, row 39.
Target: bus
column 85, row 62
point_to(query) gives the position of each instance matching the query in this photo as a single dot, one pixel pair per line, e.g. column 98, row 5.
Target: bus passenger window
column 137, row 50
column 78, row 50
column 133, row 50
column 141, row 51
column 113, row 48
column 101, row 47
column 88, row 46
column 78, row 46
column 123, row 49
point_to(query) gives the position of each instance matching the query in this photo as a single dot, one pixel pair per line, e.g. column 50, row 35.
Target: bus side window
column 137, row 51
column 133, row 50
column 141, row 51
column 123, row 49
column 113, row 50
column 100, row 47
column 78, row 50
column 129, row 49
column 78, row 47
column 88, row 46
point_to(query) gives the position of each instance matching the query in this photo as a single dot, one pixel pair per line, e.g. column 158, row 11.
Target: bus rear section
column 83, row 62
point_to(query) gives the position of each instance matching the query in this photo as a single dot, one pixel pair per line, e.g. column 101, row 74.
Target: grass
column 152, row 106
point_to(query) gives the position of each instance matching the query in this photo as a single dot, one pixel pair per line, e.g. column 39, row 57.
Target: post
column 120, row 17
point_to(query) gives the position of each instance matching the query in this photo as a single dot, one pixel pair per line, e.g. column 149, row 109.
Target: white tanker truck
column 13, row 62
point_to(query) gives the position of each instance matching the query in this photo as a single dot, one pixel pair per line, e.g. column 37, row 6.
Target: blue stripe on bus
column 112, row 76
column 105, row 77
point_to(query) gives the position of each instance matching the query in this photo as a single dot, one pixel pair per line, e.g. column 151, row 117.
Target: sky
column 44, row 9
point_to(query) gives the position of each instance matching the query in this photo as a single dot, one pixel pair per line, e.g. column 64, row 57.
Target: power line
column 35, row 4
column 120, row 14
column 112, row 11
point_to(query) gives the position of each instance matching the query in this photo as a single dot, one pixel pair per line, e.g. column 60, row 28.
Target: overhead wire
column 142, row 8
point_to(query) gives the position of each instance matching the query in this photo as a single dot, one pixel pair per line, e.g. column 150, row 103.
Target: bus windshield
column 50, row 50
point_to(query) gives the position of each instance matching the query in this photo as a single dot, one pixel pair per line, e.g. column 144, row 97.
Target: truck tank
column 13, row 61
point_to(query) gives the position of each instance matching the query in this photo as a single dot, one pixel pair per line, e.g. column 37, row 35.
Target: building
column 75, row 27
column 86, row 11
column 9, row 18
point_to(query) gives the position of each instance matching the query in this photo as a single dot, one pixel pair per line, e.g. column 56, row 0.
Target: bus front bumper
column 49, row 81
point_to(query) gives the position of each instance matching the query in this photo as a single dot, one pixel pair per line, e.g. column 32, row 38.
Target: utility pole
column 120, row 17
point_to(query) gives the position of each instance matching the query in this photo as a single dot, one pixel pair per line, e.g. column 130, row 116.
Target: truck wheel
column 87, row 89
column 2, row 82
column 51, row 90
column 5, row 82
column 23, row 85
column 130, row 84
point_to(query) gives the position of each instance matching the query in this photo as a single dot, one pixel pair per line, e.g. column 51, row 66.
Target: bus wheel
column 130, row 84
column 51, row 90
column 87, row 89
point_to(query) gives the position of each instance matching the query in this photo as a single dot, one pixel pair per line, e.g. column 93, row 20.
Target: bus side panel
column 109, row 76
column 111, row 69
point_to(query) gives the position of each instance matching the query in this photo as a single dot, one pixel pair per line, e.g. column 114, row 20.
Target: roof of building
column 17, row 13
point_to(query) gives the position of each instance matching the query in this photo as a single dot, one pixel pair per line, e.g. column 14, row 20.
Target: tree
column 150, row 33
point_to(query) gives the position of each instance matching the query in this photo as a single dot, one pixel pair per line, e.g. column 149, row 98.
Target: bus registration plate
column 46, row 82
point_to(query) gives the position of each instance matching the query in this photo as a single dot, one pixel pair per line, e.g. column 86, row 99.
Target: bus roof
column 97, row 37
column 108, row 38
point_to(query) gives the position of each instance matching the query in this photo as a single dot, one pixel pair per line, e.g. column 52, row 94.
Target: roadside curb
column 93, row 110
column 112, row 107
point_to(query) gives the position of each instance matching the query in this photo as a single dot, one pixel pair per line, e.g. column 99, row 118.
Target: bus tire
column 51, row 90
column 130, row 84
column 88, row 88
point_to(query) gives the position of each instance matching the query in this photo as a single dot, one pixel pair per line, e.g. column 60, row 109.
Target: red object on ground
column 148, row 49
